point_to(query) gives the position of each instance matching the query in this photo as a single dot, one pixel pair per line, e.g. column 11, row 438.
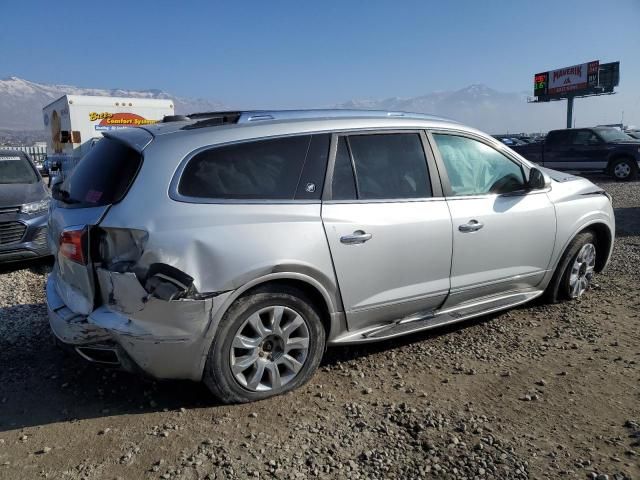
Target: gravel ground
column 542, row 391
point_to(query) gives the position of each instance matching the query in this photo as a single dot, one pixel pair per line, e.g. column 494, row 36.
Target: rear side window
column 558, row 138
column 343, row 185
column 264, row 169
column 16, row 169
column 103, row 176
column 386, row 167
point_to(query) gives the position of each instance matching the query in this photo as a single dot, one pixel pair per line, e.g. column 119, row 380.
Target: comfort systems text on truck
column 75, row 122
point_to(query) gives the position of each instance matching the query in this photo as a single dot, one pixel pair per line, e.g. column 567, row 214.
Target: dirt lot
column 538, row 392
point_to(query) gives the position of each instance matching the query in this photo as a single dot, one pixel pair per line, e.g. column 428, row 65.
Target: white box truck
column 74, row 123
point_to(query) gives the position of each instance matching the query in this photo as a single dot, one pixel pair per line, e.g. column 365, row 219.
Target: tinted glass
column 477, row 169
column 315, row 168
column 343, row 186
column 265, row 169
column 390, row 166
column 103, row 176
column 585, row 137
column 559, row 137
column 16, row 169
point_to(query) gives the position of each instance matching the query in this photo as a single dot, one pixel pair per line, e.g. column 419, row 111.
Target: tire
column 561, row 287
column 283, row 368
column 624, row 169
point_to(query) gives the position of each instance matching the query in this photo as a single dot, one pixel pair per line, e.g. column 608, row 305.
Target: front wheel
column 624, row 169
column 268, row 343
column 575, row 271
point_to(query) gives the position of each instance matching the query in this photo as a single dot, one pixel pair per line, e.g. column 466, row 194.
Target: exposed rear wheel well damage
column 309, row 291
column 603, row 239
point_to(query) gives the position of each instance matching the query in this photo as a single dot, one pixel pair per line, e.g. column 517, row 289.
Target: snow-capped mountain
column 475, row 105
column 21, row 101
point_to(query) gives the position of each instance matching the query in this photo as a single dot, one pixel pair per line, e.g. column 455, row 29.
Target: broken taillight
column 73, row 245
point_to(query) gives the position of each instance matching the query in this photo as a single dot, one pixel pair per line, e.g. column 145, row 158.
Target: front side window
column 585, row 137
column 474, row 168
column 264, row 169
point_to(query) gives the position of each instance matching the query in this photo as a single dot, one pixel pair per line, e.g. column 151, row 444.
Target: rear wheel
column 268, row 343
column 575, row 270
column 624, row 169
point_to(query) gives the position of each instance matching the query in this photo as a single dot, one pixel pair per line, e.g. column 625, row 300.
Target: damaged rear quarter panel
column 164, row 338
column 223, row 246
column 145, row 316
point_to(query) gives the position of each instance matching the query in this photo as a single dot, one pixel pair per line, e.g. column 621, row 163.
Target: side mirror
column 55, row 186
column 537, row 180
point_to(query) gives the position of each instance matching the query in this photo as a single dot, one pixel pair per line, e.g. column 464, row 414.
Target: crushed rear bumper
column 163, row 339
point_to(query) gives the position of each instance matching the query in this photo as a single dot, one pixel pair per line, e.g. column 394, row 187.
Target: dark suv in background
column 24, row 202
column 587, row 149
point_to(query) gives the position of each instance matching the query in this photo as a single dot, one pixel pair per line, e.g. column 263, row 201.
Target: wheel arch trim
column 599, row 223
column 333, row 323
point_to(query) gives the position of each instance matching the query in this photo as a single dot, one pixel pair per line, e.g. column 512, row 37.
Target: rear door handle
column 472, row 226
column 356, row 237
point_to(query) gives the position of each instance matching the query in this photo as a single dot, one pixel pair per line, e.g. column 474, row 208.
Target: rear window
column 16, row 169
column 103, row 176
column 264, row 169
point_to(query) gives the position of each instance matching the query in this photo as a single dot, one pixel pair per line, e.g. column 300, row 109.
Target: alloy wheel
column 582, row 270
column 269, row 348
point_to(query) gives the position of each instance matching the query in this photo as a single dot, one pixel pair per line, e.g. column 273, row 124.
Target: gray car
column 24, row 202
column 233, row 248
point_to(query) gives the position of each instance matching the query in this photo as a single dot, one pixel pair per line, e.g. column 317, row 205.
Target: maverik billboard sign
column 574, row 80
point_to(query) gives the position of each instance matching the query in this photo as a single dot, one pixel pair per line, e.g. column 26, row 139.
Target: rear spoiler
column 136, row 138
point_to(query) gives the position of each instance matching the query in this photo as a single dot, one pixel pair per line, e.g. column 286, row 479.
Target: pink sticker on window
column 92, row 196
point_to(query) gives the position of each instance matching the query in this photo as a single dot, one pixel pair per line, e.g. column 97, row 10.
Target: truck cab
column 601, row 149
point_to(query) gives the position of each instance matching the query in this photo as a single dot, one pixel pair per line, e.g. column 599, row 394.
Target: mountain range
column 21, row 103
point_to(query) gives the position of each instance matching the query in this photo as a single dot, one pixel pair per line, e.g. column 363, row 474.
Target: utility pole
column 569, row 111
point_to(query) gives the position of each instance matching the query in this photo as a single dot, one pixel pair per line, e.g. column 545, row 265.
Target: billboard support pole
column 569, row 111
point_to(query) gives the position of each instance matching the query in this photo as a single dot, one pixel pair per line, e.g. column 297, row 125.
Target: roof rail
column 211, row 119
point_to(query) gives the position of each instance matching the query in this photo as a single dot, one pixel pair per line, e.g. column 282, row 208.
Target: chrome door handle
column 356, row 237
column 472, row 226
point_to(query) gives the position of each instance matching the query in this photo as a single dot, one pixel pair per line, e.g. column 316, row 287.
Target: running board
column 426, row 321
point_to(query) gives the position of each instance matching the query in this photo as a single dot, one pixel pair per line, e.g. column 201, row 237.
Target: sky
column 314, row 54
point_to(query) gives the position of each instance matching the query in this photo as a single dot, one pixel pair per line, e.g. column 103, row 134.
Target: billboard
column 575, row 80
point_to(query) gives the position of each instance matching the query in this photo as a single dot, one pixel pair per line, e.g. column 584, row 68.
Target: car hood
column 557, row 176
column 12, row 195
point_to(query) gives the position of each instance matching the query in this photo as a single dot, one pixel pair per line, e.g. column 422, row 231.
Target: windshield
column 16, row 169
column 102, row 177
column 613, row 135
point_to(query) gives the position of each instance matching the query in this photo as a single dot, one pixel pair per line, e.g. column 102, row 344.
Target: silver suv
column 235, row 247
